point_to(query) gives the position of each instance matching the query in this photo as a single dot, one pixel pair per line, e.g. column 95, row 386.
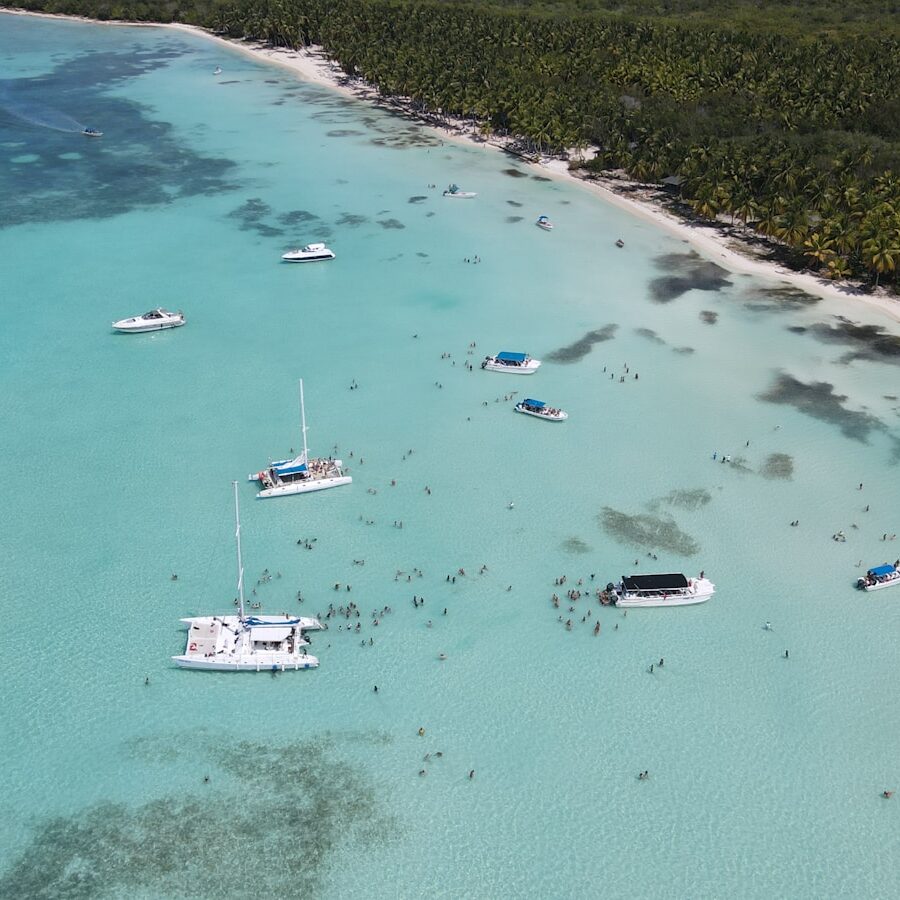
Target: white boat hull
column 881, row 584
column 547, row 417
column 460, row 195
column 138, row 329
column 302, row 487
column 528, row 368
column 248, row 665
column 699, row 592
column 304, row 259
column 545, row 225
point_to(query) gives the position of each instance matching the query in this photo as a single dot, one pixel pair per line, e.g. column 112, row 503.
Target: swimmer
column 472, row 775
column 767, row 626
column 174, row 577
column 421, row 732
column 887, row 794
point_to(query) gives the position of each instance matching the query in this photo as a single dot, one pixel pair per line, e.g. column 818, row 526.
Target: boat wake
column 36, row 113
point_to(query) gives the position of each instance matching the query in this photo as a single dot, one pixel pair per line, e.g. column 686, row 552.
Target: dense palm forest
column 781, row 114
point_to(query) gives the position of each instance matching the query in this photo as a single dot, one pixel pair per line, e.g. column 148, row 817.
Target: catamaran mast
column 237, row 537
column 303, row 424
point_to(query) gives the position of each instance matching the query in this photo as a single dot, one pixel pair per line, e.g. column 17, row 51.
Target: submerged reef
column 643, row 530
column 580, row 348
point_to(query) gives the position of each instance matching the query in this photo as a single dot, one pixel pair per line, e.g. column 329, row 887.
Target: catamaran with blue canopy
column 301, row 474
column 879, row 577
column 514, row 363
column 541, row 410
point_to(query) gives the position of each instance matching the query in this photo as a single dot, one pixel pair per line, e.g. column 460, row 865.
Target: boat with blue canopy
column 454, row 193
column 545, row 223
column 541, row 410
column 301, row 474
column 242, row 643
column 514, row 363
column 879, row 577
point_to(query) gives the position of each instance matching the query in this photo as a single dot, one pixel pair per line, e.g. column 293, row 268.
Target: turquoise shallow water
column 766, row 773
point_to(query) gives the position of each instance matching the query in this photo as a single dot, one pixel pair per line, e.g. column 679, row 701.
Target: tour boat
column 660, row 590
column 454, row 192
column 540, row 410
column 514, row 363
column 309, row 253
column 545, row 223
column 301, row 474
column 155, row 320
column 244, row 643
column 879, row 577
column 91, row 132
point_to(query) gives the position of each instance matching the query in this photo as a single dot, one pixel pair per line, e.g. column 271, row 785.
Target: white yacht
column 514, row 363
column 309, row 253
column 301, row 474
column 455, row 193
column 879, row 577
column 155, row 320
column 660, row 590
column 545, row 223
column 540, row 410
column 241, row 643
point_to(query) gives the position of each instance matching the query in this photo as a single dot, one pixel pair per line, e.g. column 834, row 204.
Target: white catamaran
column 244, row 643
column 660, row 590
column 300, row 474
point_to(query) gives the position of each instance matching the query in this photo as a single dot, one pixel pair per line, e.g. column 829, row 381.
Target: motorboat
column 660, row 590
column 545, row 223
column 241, row 643
column 514, row 363
column 217, row 70
column 301, row 474
column 879, row 577
column 309, row 253
column 91, row 132
column 540, row 410
column 155, row 320
column 455, row 193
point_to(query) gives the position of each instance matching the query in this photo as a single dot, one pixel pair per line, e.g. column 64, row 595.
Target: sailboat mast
column 240, row 562
column 303, row 424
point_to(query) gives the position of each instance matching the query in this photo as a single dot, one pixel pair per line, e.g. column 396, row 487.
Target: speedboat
column 301, row 474
column 454, row 192
column 514, row 363
column 155, row 320
column 879, row 577
column 241, row 643
column 309, row 253
column 540, row 410
column 545, row 223
column 217, row 70
column 660, row 590
column 91, row 132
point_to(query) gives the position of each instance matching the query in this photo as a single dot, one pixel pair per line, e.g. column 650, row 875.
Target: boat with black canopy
column 879, row 577
column 673, row 589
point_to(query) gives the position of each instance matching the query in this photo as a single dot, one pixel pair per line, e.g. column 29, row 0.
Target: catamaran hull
column 883, row 584
column 278, row 665
column 460, row 195
column 690, row 600
column 301, row 487
column 561, row 417
column 529, row 369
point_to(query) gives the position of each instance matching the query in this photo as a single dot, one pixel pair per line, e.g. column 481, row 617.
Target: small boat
column 155, row 320
column 514, row 363
column 545, row 223
column 620, row 243
column 92, row 132
column 879, row 577
column 244, row 643
column 660, row 590
column 540, row 410
column 301, row 474
column 217, row 70
column 309, row 253
column 454, row 192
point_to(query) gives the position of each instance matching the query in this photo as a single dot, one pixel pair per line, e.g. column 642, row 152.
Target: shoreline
column 708, row 240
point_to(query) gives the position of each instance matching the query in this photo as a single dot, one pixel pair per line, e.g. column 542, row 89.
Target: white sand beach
column 312, row 65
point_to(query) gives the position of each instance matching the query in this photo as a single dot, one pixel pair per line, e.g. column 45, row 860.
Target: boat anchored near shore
column 244, row 643
column 660, row 590
column 540, row 410
column 514, row 363
column 301, row 474
column 879, row 577
column 455, row 193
